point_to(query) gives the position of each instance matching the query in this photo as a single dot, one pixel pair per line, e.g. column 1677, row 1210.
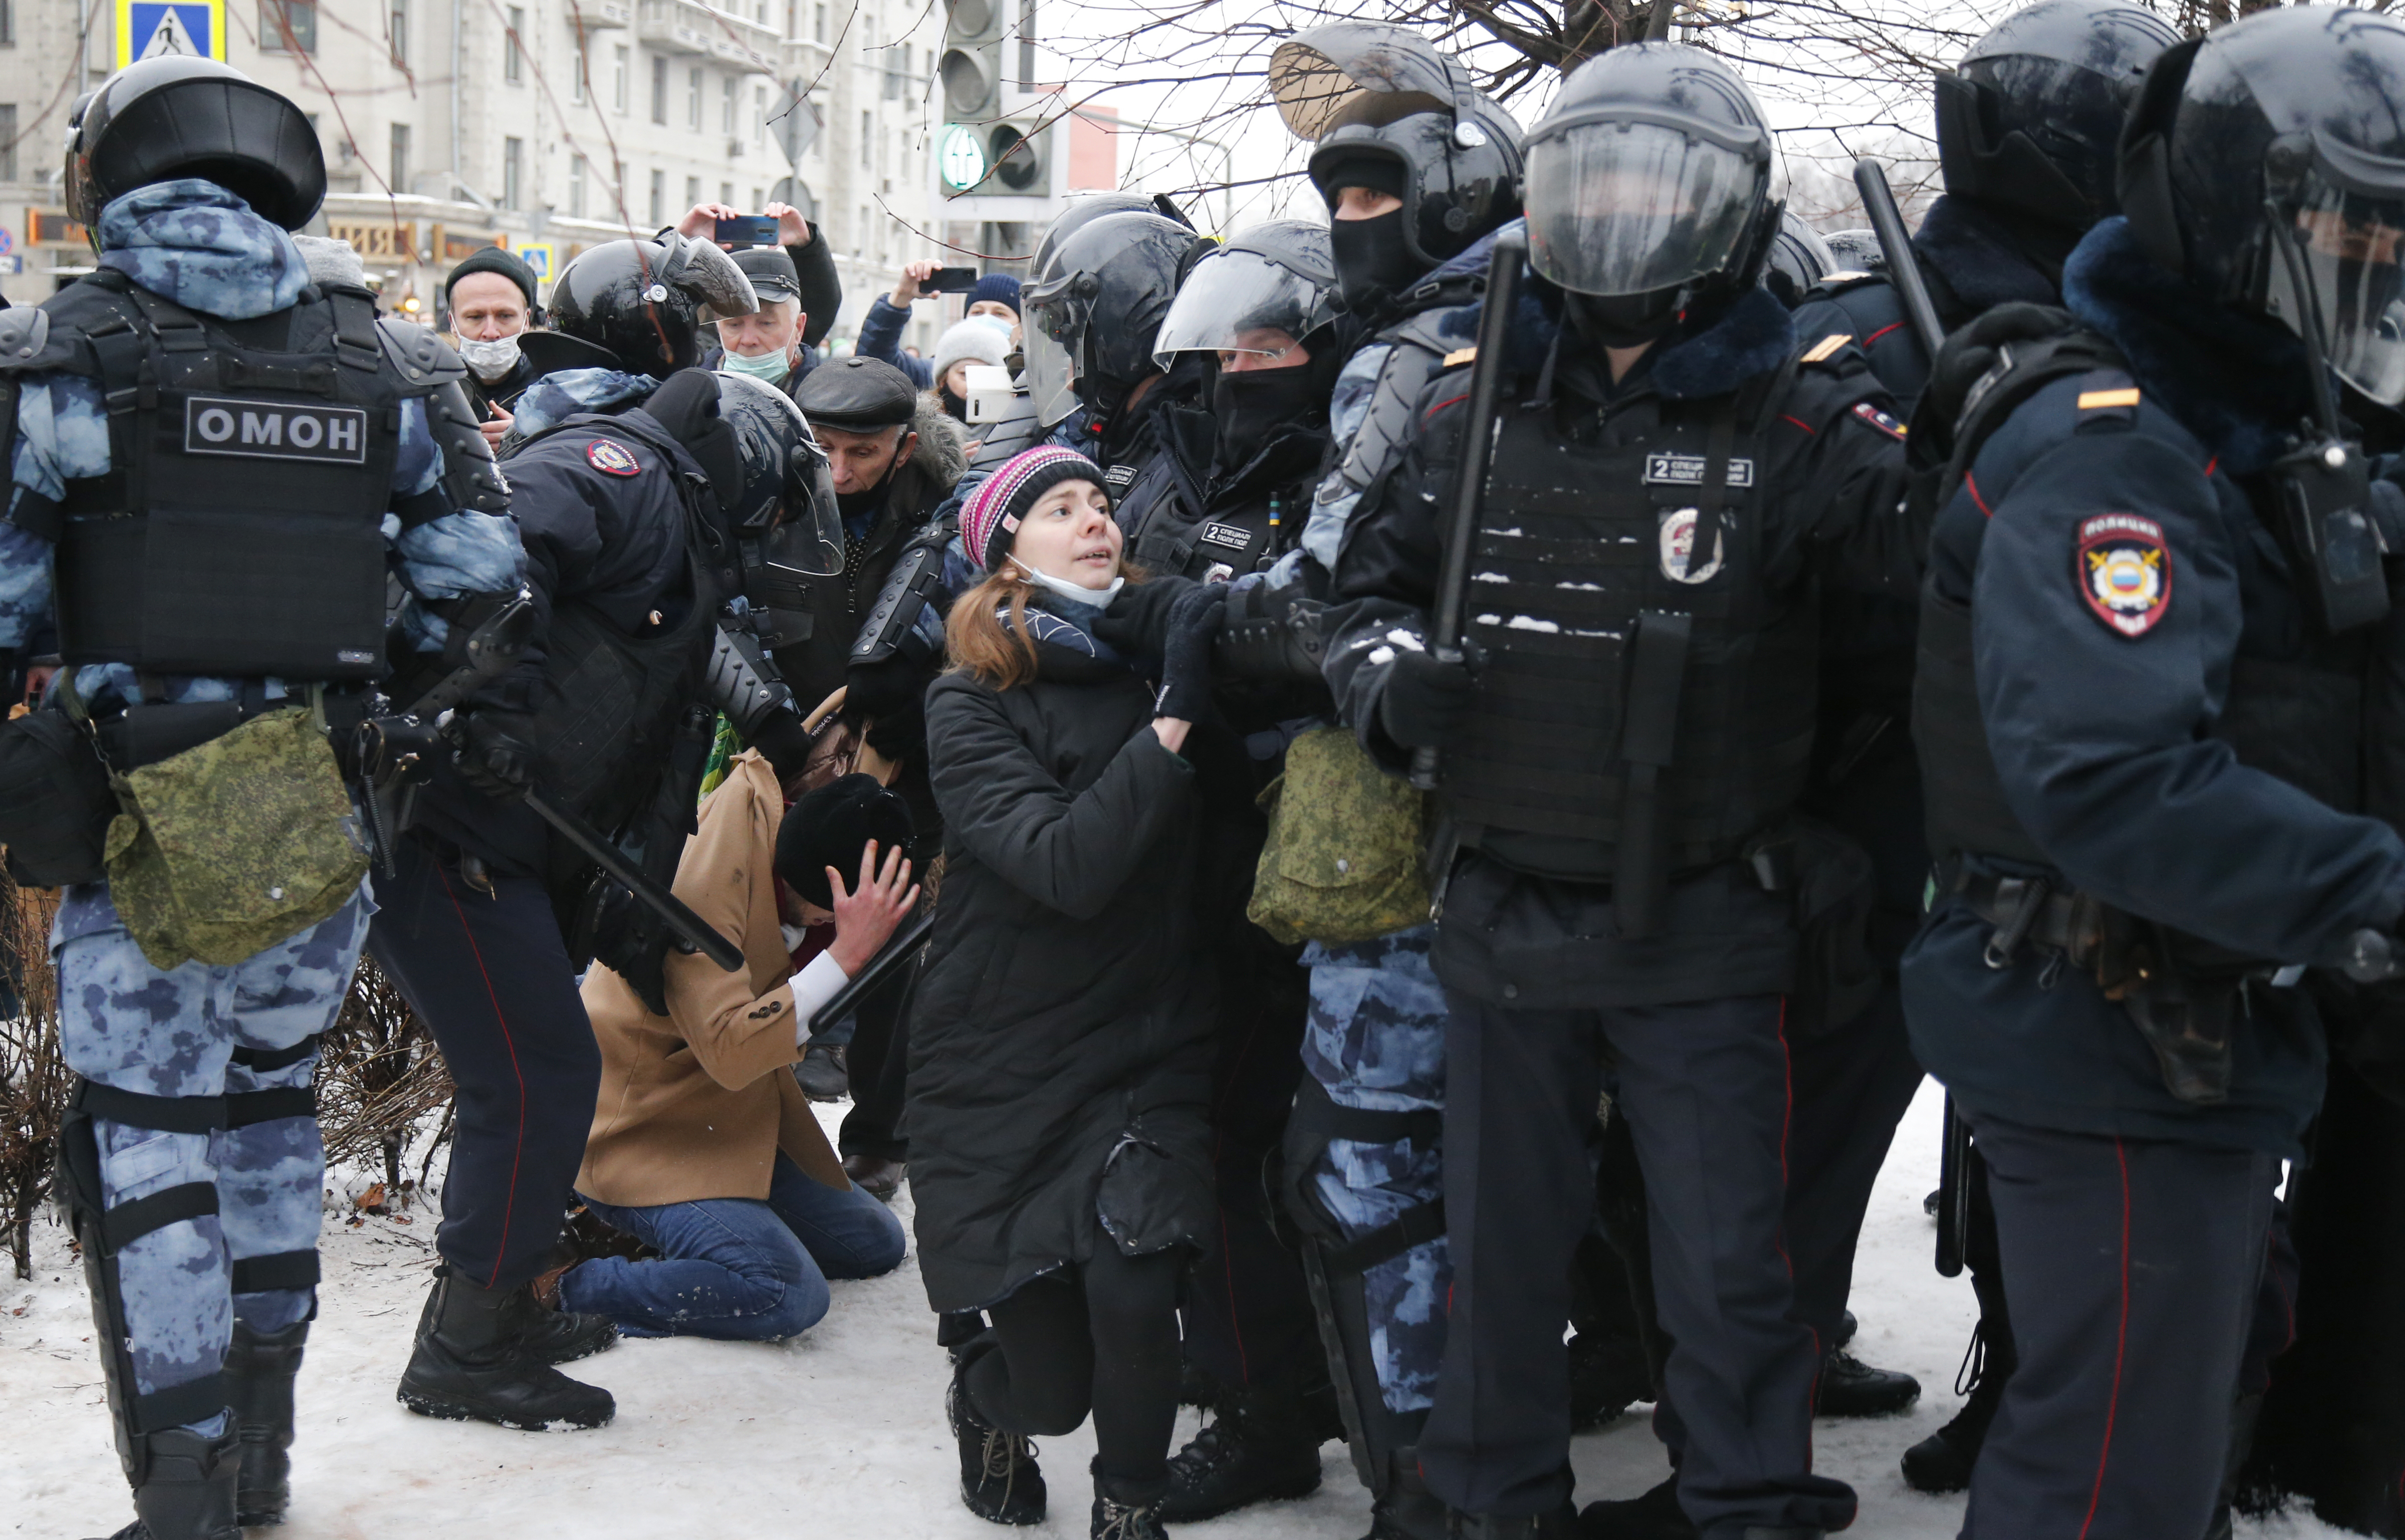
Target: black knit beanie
column 830, row 827
column 493, row 260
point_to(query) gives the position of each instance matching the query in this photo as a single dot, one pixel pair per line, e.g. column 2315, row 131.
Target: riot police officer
column 1672, row 479
column 639, row 522
column 207, row 452
column 2146, row 717
column 2025, row 128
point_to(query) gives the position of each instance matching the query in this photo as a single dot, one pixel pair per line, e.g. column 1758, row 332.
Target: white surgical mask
column 489, row 360
column 770, row 367
column 1076, row 592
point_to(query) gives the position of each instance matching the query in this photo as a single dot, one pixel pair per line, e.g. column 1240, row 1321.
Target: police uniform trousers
column 1375, row 1041
column 2134, row 1267
column 1704, row 1088
column 195, row 1032
column 1852, row 1085
column 875, row 1066
column 491, row 979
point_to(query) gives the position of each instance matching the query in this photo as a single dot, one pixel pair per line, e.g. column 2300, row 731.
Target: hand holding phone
column 950, row 280
column 746, row 230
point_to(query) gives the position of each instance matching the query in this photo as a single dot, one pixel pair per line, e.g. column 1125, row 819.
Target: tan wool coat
column 697, row 1103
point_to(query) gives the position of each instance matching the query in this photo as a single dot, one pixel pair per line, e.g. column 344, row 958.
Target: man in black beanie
column 490, row 297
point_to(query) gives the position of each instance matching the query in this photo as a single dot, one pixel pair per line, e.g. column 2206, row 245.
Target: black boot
column 473, row 1362
column 1405, row 1509
column 1655, row 1516
column 259, row 1368
column 1127, row 1510
column 1851, row 1388
column 1563, row 1523
column 563, row 1337
column 186, row 1491
column 1942, row 1462
column 1608, row 1375
column 1263, row 1443
column 1000, row 1481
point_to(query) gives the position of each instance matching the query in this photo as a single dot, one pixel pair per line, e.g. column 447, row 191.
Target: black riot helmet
column 2027, row 123
column 1856, row 251
column 1653, row 186
column 1386, row 110
column 1799, row 259
column 1093, row 320
column 786, row 491
column 643, row 300
column 176, row 116
column 1268, row 288
column 2269, row 158
column 1083, row 209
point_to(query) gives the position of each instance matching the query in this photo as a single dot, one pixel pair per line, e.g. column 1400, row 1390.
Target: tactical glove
column 1964, row 359
column 1137, row 621
column 1424, row 702
column 496, row 752
column 783, row 742
column 1186, row 654
column 875, row 691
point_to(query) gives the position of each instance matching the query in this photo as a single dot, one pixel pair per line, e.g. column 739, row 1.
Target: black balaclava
column 1248, row 405
column 1622, row 320
column 1373, row 264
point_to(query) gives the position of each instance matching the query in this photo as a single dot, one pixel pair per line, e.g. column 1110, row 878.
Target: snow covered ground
column 839, row 1434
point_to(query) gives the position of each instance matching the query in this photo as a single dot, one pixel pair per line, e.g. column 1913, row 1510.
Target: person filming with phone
column 993, row 302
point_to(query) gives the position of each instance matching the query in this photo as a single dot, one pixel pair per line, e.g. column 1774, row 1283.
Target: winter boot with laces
column 1127, row 1510
column 260, row 1368
column 1942, row 1462
column 1000, row 1481
column 1262, row 1444
column 473, row 1362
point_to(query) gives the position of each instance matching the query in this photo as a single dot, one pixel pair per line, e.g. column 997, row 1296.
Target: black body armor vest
column 239, row 530
column 1642, row 690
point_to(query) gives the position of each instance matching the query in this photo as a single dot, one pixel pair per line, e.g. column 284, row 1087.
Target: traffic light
column 984, row 152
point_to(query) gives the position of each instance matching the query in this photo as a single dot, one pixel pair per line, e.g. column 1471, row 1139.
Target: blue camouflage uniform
column 200, row 1031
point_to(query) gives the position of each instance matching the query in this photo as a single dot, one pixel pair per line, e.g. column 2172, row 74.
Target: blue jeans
column 738, row 1269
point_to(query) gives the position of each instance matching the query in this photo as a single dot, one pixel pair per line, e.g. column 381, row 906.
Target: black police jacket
column 1824, row 503
column 2123, row 594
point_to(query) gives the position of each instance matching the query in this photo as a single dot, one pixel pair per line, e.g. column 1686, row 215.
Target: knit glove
column 1186, row 653
column 1424, row 701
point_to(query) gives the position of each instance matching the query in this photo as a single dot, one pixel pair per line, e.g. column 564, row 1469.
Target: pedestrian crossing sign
column 145, row 29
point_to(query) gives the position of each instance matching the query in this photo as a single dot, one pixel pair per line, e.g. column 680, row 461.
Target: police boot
column 1560, row 1524
column 1404, row 1508
column 260, row 1368
column 1849, row 1387
column 1942, row 1462
column 1655, row 1516
column 1127, row 1510
column 472, row 1363
column 184, row 1490
column 2242, row 1414
column 1608, row 1375
column 1000, row 1481
column 1263, row 1444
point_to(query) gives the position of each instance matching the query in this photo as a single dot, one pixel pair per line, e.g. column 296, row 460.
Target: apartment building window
column 818, row 20
column 726, row 106
column 1027, row 45
column 619, row 68
column 692, row 190
column 8, row 27
column 693, row 99
column 759, row 115
column 513, row 173
column 726, row 193
column 398, row 11
column 659, row 198
column 760, row 198
column 578, row 64
column 398, row 160
column 7, row 140
column 860, row 233
column 868, row 141
column 896, row 57
column 576, row 187
column 513, row 46
column 660, row 89
column 287, row 26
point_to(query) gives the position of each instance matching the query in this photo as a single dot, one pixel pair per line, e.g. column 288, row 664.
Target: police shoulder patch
column 1882, row 421
column 2123, row 567
column 610, row 456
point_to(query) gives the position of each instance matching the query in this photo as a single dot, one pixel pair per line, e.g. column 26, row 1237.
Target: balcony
column 601, row 14
column 805, row 59
column 687, row 26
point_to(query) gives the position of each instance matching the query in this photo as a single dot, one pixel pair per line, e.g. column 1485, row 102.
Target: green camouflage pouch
column 1343, row 861
column 225, row 850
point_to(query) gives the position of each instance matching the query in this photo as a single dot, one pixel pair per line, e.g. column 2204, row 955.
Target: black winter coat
column 1060, row 1036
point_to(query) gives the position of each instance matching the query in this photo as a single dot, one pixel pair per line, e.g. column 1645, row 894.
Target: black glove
column 1186, row 653
column 873, row 690
column 900, row 735
column 1424, row 701
column 496, row 752
column 783, row 742
column 1137, row 621
column 1966, row 356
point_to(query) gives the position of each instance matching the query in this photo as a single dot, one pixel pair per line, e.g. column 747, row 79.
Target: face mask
column 955, row 407
column 1249, row 404
column 1622, row 320
column 1372, row 264
column 851, row 505
column 492, row 360
column 1076, row 593
column 770, row 367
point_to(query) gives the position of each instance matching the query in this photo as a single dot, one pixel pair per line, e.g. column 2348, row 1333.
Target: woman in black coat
column 1060, row 1050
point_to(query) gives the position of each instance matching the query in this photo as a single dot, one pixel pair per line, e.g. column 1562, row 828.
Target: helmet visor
column 1615, row 207
column 809, row 538
column 1055, row 322
column 707, row 274
column 1238, row 302
column 2351, row 243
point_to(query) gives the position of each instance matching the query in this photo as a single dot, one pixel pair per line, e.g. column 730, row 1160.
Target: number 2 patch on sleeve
column 2124, row 571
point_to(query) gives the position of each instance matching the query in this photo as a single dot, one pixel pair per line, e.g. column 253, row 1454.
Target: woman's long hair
column 985, row 633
